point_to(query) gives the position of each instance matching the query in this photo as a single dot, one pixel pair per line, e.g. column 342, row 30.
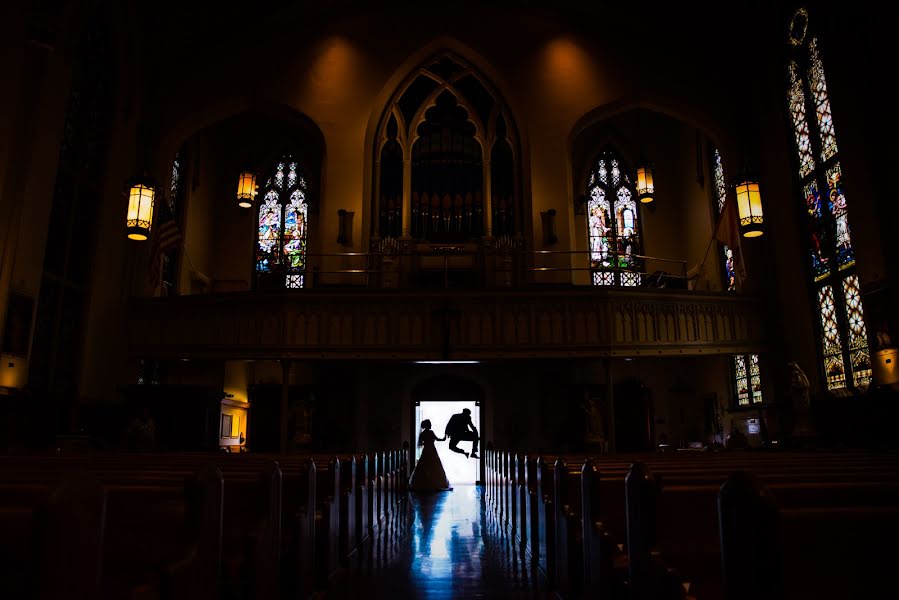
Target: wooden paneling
column 480, row 325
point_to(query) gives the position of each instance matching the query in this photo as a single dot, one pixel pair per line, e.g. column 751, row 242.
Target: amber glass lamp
column 141, row 194
column 749, row 206
column 645, row 188
column 246, row 189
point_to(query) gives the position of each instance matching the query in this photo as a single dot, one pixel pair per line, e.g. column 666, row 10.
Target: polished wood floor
column 441, row 545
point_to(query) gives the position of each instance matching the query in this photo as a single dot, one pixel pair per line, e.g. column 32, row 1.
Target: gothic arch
column 447, row 101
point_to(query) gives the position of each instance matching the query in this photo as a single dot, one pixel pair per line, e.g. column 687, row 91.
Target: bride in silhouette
column 428, row 475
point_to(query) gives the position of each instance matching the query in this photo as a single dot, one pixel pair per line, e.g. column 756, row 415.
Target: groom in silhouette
column 460, row 428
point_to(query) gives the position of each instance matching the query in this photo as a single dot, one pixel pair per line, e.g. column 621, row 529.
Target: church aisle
column 443, row 545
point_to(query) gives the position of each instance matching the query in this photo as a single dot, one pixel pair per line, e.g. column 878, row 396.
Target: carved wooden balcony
column 446, row 324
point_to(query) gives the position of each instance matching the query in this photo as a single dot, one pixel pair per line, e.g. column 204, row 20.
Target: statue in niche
column 301, row 416
column 882, row 337
column 799, row 386
column 593, row 425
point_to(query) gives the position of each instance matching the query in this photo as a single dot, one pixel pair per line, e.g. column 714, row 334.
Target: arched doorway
column 437, row 399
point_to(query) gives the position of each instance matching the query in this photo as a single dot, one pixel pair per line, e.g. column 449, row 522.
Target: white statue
column 799, row 383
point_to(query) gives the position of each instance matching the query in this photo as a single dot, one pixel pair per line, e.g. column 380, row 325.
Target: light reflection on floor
column 446, row 546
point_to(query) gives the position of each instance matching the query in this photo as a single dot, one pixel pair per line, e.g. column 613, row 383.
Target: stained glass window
column 747, row 379
column 755, row 379
column 843, row 336
column 720, row 186
column 822, row 103
column 837, row 204
column 859, row 357
column 741, row 379
column 727, row 254
column 834, row 368
column 613, row 224
column 729, row 272
column 282, row 231
column 800, row 123
column 175, row 203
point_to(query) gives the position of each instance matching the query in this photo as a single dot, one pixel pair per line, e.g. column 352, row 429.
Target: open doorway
column 459, row 469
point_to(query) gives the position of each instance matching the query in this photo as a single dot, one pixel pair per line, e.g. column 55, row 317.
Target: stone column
column 407, row 198
column 610, row 403
column 375, row 226
column 285, row 389
column 488, row 202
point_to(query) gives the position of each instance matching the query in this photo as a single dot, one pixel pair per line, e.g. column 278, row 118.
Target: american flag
column 165, row 237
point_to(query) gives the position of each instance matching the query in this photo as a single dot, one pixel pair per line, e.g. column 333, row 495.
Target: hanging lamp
column 141, row 196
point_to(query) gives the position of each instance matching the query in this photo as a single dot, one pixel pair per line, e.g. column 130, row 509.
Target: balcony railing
column 432, row 266
column 450, row 324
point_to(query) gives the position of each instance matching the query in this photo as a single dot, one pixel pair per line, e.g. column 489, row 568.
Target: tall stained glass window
column 283, row 227
column 175, row 201
column 613, row 230
column 727, row 254
column 843, row 338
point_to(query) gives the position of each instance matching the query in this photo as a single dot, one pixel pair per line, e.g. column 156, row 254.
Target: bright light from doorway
column 459, row 469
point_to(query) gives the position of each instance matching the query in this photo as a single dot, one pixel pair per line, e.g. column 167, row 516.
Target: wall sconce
column 345, row 227
column 246, row 189
column 749, row 206
column 549, row 227
column 645, row 187
column 141, row 195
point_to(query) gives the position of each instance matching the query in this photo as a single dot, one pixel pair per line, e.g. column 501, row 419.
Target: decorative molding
column 485, row 325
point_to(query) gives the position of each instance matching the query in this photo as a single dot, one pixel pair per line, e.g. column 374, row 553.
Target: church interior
column 247, row 250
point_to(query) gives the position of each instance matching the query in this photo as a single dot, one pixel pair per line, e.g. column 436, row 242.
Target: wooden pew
column 546, row 522
column 598, row 555
column 521, row 502
column 568, row 528
column 531, row 511
column 252, row 531
column 198, row 573
column 750, row 532
column 52, row 538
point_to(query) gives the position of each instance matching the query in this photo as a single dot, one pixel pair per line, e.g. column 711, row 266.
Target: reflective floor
column 443, row 545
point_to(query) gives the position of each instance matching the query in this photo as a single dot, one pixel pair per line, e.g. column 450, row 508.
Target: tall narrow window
column 175, row 201
column 727, row 254
column 282, row 228
column 843, row 340
column 61, row 313
column 613, row 231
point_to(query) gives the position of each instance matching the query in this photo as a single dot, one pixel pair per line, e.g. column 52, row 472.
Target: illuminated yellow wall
column 343, row 79
column 239, row 424
column 236, row 379
column 339, row 68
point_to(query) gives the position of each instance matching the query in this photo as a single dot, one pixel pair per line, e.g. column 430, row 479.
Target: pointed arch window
column 843, row 341
column 613, row 224
column 447, row 159
column 282, row 232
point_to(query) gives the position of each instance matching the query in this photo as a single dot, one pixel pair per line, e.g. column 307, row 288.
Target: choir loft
column 272, row 275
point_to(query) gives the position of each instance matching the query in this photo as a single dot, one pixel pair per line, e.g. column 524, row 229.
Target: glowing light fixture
column 246, row 189
column 141, row 194
column 749, row 205
column 645, row 188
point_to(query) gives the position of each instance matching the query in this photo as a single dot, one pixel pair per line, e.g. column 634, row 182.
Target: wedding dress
column 428, row 475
